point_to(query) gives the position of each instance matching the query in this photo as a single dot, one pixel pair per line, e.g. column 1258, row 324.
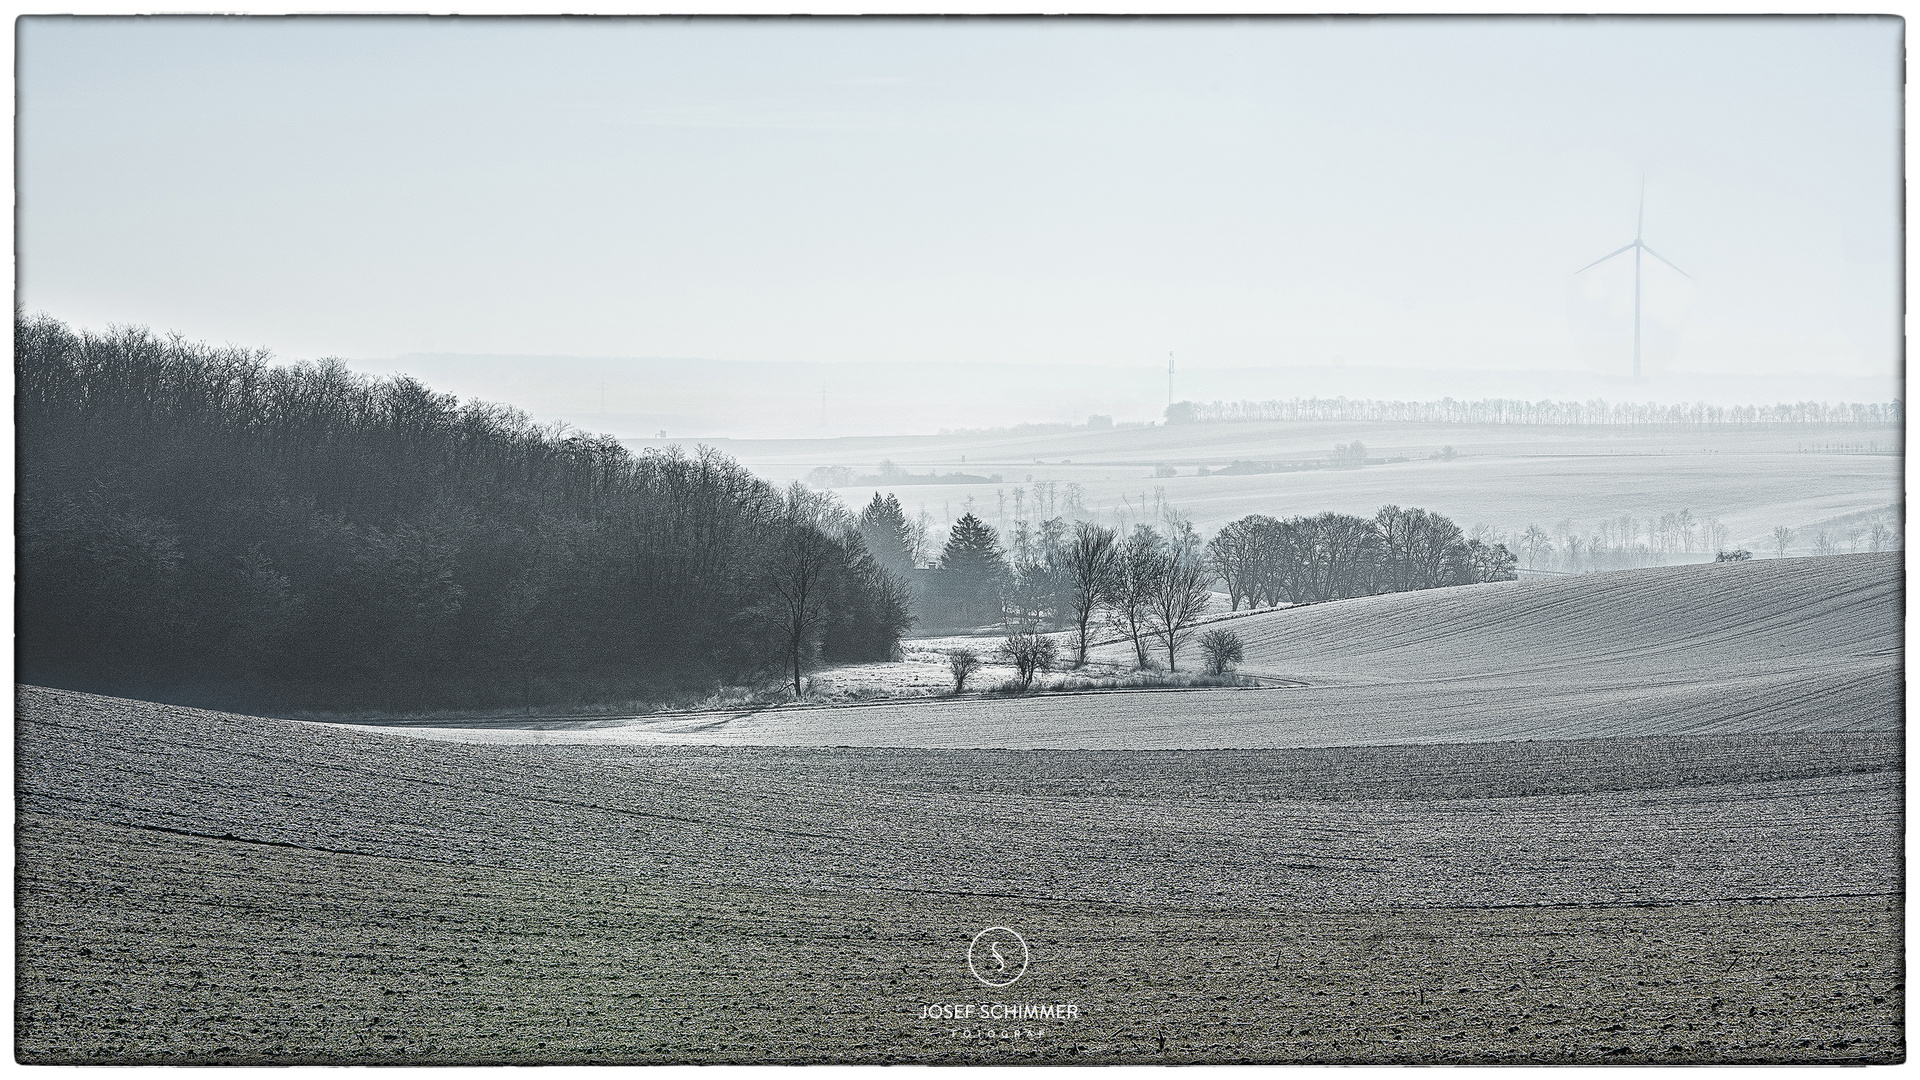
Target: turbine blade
column 1604, row 258
column 1662, row 258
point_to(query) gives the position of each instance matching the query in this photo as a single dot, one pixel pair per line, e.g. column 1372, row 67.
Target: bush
column 962, row 662
column 1029, row 653
column 1736, row 555
column 1222, row 648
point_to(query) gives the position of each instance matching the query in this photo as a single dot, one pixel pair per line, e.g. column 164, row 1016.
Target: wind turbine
column 1636, row 247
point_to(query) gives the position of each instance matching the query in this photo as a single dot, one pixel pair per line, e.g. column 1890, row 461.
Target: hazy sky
column 1413, row 193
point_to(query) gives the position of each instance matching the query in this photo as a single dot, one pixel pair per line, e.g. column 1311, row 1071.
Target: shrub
column 962, row 662
column 1029, row 653
column 1222, row 648
column 1736, row 555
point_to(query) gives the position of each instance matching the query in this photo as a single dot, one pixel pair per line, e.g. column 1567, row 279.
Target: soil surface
column 197, row 887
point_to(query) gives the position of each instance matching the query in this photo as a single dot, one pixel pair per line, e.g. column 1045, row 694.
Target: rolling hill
column 1779, row 645
column 1505, row 476
column 1545, row 821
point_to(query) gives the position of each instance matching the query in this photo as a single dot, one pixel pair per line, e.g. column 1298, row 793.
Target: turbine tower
column 1636, row 247
column 1169, row 379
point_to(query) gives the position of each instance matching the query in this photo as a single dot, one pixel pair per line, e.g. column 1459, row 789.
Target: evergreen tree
column 883, row 525
column 974, row 569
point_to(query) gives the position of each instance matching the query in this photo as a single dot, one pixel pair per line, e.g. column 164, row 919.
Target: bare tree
column 1419, row 549
column 1485, row 562
column 1029, row 653
column 1275, row 560
column 1232, row 554
column 1823, row 542
column 963, row 663
column 1715, row 533
column 1179, row 598
column 1339, row 556
column 1222, row 648
column 923, row 538
column 1139, row 563
column 1782, row 537
column 1089, row 574
column 1533, row 542
column 794, row 583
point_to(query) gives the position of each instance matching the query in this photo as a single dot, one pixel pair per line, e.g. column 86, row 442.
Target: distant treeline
column 197, row 524
column 1335, row 556
column 1596, row 412
column 890, row 475
column 1061, row 574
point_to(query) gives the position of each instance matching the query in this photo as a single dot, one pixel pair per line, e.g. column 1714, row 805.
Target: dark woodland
column 196, row 524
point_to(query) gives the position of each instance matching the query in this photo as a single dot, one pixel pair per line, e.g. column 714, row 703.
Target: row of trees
column 1334, row 556
column 1878, row 533
column 1513, row 411
column 1626, row 541
column 1150, row 585
column 1619, row 543
column 198, row 524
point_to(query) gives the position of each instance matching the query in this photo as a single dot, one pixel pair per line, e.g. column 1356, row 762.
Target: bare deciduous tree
column 1533, row 542
column 795, row 590
column 1782, row 538
column 1029, row 653
column 1222, row 648
column 963, row 663
column 1089, row 579
column 1140, row 561
column 1179, row 598
column 1234, row 555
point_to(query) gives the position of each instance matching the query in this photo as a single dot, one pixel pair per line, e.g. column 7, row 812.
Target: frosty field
column 1446, row 847
column 1766, row 646
column 1505, row 476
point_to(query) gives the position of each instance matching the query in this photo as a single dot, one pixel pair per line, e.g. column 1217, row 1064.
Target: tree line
column 1597, row 412
column 1151, row 585
column 198, row 524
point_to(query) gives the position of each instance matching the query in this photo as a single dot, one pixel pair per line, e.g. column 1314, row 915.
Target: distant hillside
column 695, row 398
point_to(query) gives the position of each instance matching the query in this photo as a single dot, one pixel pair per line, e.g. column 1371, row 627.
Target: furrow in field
column 1328, row 829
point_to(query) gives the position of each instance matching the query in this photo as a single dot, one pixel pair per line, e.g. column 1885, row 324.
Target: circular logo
column 997, row 957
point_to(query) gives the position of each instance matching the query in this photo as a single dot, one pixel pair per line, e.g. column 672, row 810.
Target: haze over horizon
column 689, row 399
column 1374, row 207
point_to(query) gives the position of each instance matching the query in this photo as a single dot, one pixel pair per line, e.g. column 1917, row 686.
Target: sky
column 1376, row 193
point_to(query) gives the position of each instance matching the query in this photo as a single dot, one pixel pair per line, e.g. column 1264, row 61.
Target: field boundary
column 1266, row 683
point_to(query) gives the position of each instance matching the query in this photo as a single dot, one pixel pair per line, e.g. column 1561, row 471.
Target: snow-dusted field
column 1505, row 476
column 1768, row 646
